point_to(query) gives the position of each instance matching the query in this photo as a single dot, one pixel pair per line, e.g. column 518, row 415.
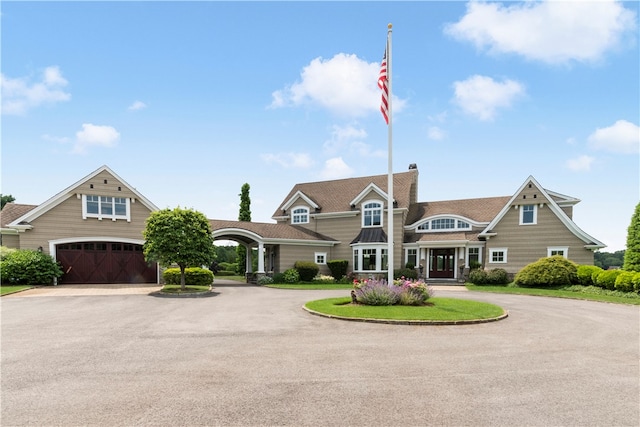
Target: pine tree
column 632, row 254
column 243, row 215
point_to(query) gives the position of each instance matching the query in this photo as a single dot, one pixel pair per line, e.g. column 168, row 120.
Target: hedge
column 193, row 276
column 338, row 268
column 586, row 272
column 307, row 270
column 548, row 272
column 606, row 279
column 28, row 267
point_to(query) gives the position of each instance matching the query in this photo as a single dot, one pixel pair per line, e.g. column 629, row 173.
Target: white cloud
column 58, row 139
column 344, row 85
column 481, row 96
column 548, row 31
column 621, row 137
column 21, row 94
column 435, row 133
column 289, row 160
column 137, row 105
column 350, row 139
column 581, row 163
column 336, row 168
column 95, row 136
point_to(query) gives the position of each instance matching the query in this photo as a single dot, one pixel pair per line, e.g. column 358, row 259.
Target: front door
column 441, row 263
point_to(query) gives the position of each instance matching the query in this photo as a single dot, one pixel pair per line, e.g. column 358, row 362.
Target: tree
column 179, row 236
column 632, row 254
column 243, row 215
column 6, row 198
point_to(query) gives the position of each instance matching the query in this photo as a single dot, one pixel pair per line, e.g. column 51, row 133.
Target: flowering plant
column 402, row 291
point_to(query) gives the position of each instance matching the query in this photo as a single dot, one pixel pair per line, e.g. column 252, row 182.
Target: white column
column 260, row 257
column 249, row 263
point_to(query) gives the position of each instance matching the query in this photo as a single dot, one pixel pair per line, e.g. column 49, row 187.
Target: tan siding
column 289, row 254
column 11, row 241
column 65, row 221
column 528, row 243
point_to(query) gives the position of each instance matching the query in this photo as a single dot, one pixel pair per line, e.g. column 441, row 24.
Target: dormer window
column 372, row 214
column 443, row 224
column 300, row 215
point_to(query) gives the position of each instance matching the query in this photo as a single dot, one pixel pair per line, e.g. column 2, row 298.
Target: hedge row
column 193, row 276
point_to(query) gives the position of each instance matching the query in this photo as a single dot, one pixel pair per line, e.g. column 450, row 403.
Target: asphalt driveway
column 250, row 356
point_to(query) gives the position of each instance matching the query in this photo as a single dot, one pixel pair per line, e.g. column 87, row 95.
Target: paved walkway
column 250, row 356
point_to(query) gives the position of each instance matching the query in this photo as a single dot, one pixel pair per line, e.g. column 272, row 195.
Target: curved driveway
column 250, row 356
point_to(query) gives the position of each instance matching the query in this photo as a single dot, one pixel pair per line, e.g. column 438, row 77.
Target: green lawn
column 442, row 310
column 175, row 289
column 11, row 289
column 576, row 292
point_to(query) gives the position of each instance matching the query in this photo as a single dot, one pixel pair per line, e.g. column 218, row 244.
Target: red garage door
column 104, row 262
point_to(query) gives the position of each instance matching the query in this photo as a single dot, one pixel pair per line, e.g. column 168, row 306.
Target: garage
column 104, row 262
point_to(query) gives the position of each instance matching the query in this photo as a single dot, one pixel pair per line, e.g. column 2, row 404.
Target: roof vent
column 413, row 166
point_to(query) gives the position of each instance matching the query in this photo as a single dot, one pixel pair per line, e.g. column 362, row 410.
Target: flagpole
column 390, row 164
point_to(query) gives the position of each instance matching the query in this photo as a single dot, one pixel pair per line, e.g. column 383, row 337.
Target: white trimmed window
column 411, row 257
column 106, row 207
column 370, row 258
column 300, row 215
column 321, row 257
column 562, row 251
column 528, row 214
column 498, row 255
column 372, row 214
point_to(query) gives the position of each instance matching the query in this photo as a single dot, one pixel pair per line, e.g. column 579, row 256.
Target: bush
column 606, row 279
column 265, row 280
column 278, row 278
column 409, row 273
column 377, row 292
column 28, row 267
column 496, row 276
column 624, row 281
column 228, row 266
column 636, row 282
column 307, row 270
column 226, row 273
column 193, row 276
column 548, row 272
column 338, row 268
column 321, row 278
column 585, row 274
column 291, row 276
column 474, row 265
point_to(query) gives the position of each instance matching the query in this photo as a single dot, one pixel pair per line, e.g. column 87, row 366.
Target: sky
column 187, row 101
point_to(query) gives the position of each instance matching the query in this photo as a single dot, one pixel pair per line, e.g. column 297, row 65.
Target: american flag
column 383, row 85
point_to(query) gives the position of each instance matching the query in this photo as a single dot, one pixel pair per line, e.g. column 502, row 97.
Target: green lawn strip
column 311, row 286
column 443, row 309
column 579, row 293
column 4, row 290
column 175, row 289
column 235, row 278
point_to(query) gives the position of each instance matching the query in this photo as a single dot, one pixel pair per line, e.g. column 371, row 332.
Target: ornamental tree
column 179, row 236
column 632, row 254
column 243, row 215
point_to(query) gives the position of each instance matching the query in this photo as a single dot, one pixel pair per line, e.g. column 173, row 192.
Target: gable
column 101, row 182
column 532, row 193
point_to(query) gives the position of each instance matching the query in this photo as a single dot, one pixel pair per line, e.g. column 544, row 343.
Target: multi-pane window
column 424, row 226
column 300, row 216
column 557, row 251
column 105, row 207
column 356, row 258
column 412, row 257
column 498, row 255
column 528, row 214
column 443, row 224
column 370, row 258
column 321, row 257
column 463, row 224
column 474, row 255
column 372, row 214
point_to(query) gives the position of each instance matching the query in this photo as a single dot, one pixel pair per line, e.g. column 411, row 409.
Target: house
column 441, row 237
column 94, row 228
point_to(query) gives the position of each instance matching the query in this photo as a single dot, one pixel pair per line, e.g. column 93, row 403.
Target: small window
column 474, row 255
column 498, row 256
column 528, row 214
column 321, row 257
column 412, row 257
column 424, row 226
column 463, row 224
column 563, row 252
column 300, row 216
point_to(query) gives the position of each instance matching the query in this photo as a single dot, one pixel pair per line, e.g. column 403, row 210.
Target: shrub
column 410, row 265
column 636, row 282
column 228, row 266
column 377, row 292
column 265, row 280
column 307, row 270
column 413, row 292
column 291, row 276
column 338, row 268
column 193, row 276
column 497, row 276
column 409, row 273
column 322, row 278
column 585, row 274
column 278, row 278
column 548, row 272
column 28, row 267
column 624, row 281
column 606, row 279
column 478, row 277
column 474, row 265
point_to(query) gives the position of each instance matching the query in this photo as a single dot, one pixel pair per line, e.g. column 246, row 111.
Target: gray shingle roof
column 270, row 231
column 12, row 211
column 480, row 210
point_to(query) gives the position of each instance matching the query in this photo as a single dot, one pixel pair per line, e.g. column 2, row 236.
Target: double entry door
column 442, row 263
